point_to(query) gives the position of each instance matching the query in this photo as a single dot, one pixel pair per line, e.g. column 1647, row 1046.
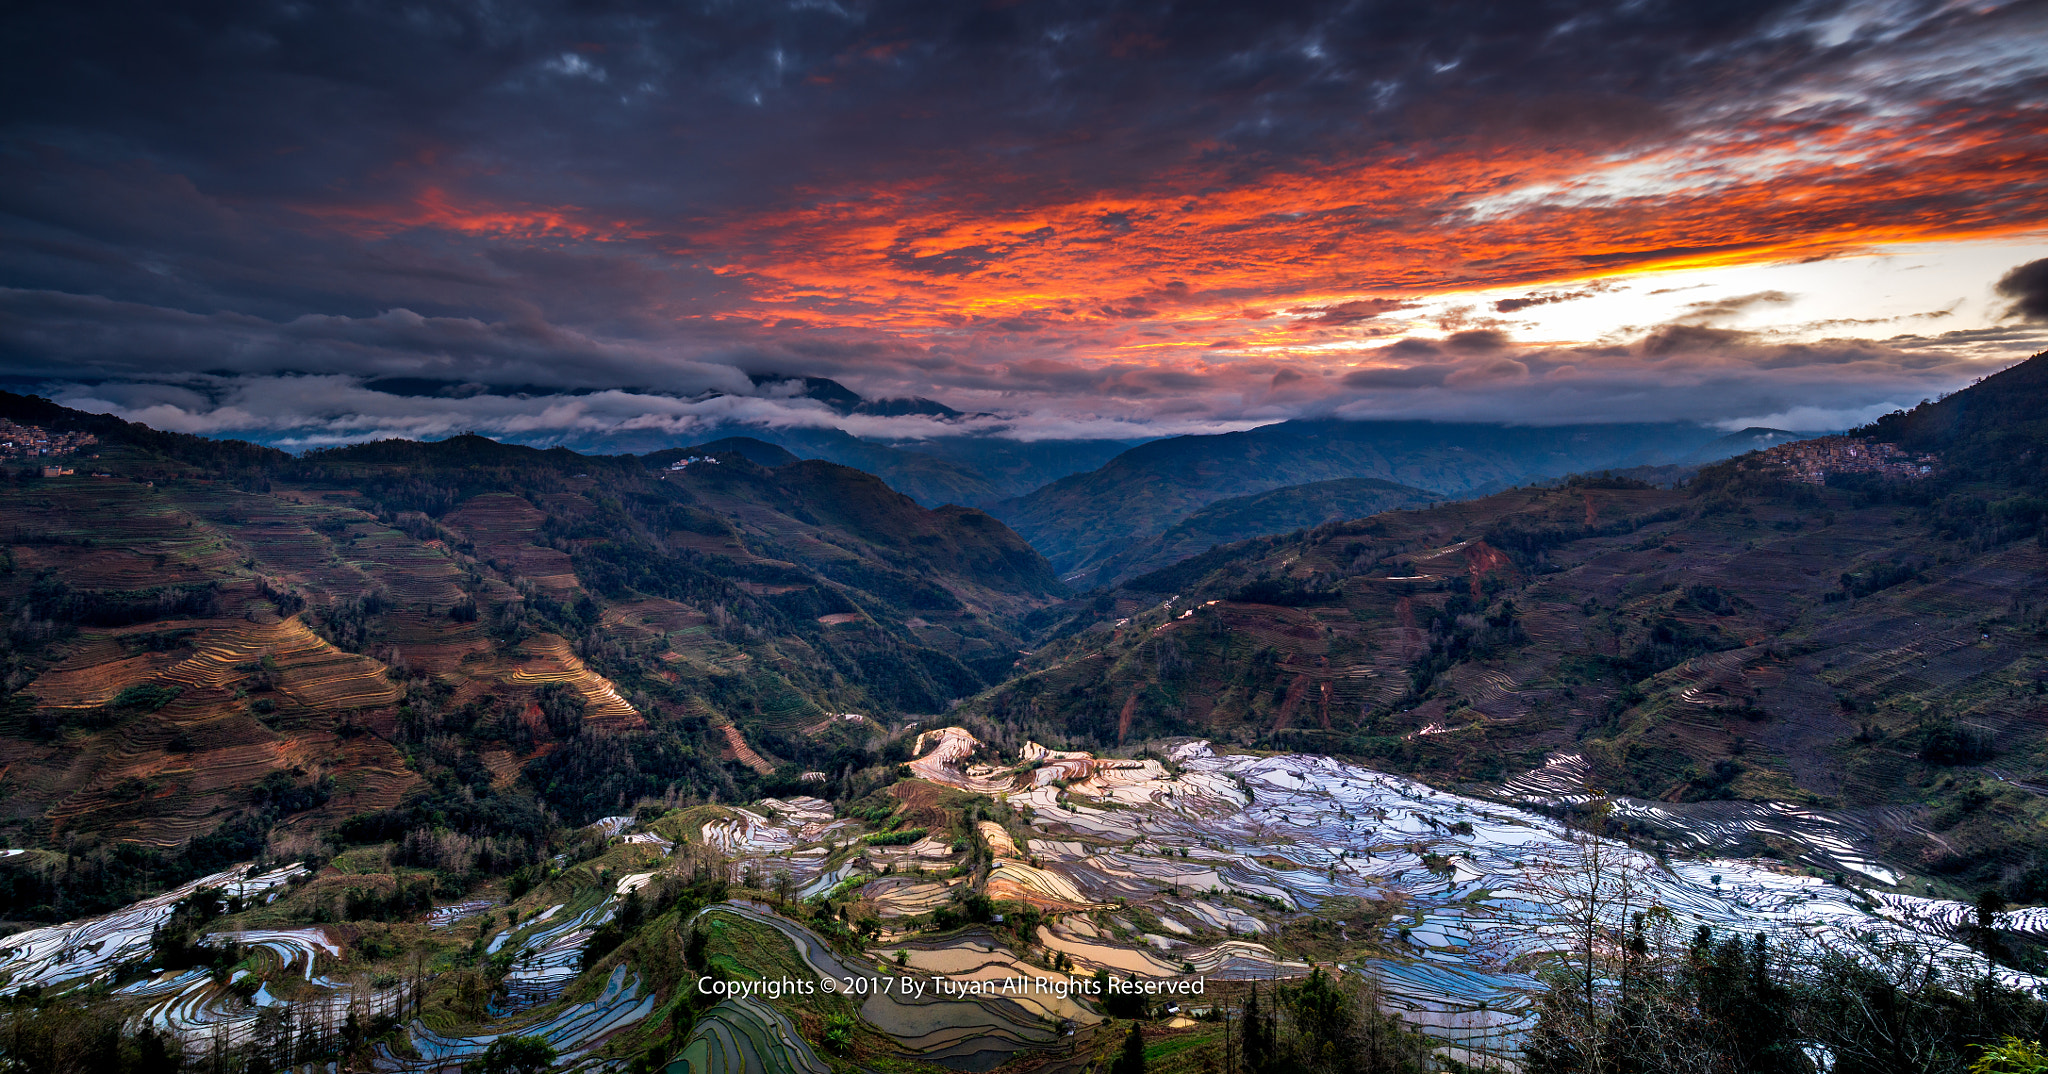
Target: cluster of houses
column 1813, row 460
column 686, row 463
column 29, row 441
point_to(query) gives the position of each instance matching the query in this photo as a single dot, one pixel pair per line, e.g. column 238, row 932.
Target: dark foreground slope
column 1875, row 648
column 1081, row 522
column 210, row 644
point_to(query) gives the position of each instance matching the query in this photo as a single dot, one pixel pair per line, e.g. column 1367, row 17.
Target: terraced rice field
column 99, row 667
column 373, row 776
column 737, row 748
column 783, row 708
column 204, row 1013
column 979, row 957
column 575, row 1032
column 129, row 526
column 414, row 574
column 1218, row 853
column 1229, row 840
column 961, row 1034
column 289, row 548
column 81, row 952
column 319, row 676
column 652, row 615
column 796, row 836
column 300, row 948
column 298, row 990
column 441, row 917
column 908, row 896
column 781, row 826
column 502, row 527
column 549, row 958
column 549, row 659
column 1828, row 839
column 746, row 1036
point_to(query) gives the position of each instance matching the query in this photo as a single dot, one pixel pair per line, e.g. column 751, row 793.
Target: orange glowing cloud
column 1290, row 262
column 433, row 208
column 1191, row 252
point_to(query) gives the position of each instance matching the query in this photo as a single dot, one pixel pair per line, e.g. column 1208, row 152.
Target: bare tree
column 1603, row 910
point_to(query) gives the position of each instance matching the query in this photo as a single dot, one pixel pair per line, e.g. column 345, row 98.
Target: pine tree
column 1258, row 1039
column 1132, row 1061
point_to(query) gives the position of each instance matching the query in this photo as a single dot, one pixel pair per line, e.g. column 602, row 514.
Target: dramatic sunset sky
column 1077, row 219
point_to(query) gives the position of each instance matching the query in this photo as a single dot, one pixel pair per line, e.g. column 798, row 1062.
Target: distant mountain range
column 1282, row 510
column 1100, row 510
column 963, row 469
column 1083, row 523
column 847, row 401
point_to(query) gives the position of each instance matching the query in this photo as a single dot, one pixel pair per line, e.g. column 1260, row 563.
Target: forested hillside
column 213, row 645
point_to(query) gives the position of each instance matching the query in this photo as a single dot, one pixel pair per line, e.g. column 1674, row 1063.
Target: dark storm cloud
column 1476, row 341
column 328, row 107
column 2027, row 286
column 1516, row 305
column 49, row 333
column 665, row 197
column 1715, row 309
column 1397, row 377
column 1674, row 372
column 1349, row 313
column 1545, row 298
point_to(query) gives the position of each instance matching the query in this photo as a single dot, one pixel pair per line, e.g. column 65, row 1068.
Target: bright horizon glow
column 1899, row 289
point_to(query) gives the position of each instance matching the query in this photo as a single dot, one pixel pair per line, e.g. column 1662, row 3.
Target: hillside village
column 30, row 441
column 1811, row 461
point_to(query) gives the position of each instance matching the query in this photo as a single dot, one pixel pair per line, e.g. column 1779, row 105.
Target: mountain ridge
column 1237, row 518
column 1078, row 521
